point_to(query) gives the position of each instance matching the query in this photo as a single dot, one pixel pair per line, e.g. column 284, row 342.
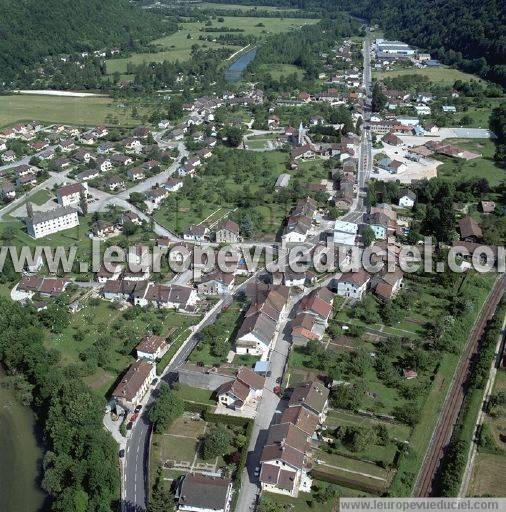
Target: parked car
column 134, row 417
column 154, row 381
column 257, row 471
column 138, row 408
column 129, row 425
column 121, row 453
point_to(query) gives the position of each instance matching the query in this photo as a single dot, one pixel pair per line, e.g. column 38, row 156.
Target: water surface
column 20, row 457
column 234, row 72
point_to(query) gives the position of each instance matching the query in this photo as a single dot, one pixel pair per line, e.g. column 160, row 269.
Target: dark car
column 278, row 380
column 154, row 381
column 138, row 408
column 121, row 453
column 129, row 425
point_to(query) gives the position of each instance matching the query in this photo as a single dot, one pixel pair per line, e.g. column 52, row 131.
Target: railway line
column 426, row 483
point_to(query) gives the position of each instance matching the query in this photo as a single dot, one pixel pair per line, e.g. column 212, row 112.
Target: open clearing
column 178, row 46
column 57, row 109
column 442, row 75
column 237, row 7
column 483, row 167
column 488, row 475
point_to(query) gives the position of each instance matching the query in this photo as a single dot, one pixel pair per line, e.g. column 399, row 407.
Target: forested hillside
column 300, row 47
column 30, row 30
column 470, row 35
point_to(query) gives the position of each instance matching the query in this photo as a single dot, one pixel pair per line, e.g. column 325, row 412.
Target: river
column 234, row 72
column 20, row 457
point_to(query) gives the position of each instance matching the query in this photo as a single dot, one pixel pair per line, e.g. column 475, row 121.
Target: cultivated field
column 56, row 109
column 237, row 7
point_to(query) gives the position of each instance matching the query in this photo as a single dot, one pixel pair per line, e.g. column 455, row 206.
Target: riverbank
column 21, row 457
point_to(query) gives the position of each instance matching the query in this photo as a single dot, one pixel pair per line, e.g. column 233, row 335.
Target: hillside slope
column 31, row 30
column 470, row 35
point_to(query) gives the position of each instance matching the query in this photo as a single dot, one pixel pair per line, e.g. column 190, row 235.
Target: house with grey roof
column 41, row 224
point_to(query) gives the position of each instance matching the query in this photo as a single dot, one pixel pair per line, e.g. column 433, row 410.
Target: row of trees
column 79, row 466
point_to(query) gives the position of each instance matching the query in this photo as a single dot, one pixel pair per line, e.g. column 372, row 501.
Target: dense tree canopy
column 79, row 466
column 32, row 30
column 468, row 34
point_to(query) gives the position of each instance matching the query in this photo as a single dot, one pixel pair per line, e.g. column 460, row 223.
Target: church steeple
column 302, row 133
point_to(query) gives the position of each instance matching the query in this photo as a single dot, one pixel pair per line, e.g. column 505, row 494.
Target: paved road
column 135, row 465
column 55, row 178
column 121, row 199
column 135, row 469
column 358, row 208
column 250, row 489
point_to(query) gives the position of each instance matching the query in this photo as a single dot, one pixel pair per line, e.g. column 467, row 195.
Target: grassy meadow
column 178, row 46
column 441, row 75
column 57, row 109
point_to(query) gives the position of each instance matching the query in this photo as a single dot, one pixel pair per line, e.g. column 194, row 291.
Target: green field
column 41, row 197
column 484, row 167
column 178, row 46
column 197, row 395
column 227, row 324
column 346, row 418
column 97, row 321
column 21, row 455
column 303, row 502
column 179, row 212
column 233, row 7
column 282, row 70
column 488, row 475
column 442, row 75
column 57, row 109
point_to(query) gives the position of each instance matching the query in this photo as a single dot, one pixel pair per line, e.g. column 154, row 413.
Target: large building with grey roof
column 41, row 224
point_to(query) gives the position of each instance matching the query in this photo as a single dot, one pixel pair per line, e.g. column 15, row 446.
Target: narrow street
column 250, row 485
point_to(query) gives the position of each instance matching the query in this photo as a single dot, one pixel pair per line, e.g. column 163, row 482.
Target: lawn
column 303, row 503
column 345, row 418
column 483, row 167
column 190, row 394
column 100, row 320
column 338, row 461
column 177, row 46
column 227, row 324
column 41, row 197
column 442, row 75
column 282, row 70
column 56, row 109
column 179, row 446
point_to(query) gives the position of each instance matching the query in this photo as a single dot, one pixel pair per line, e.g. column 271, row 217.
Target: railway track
column 426, row 483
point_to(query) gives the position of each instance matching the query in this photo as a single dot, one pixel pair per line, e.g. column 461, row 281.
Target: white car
column 257, row 471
